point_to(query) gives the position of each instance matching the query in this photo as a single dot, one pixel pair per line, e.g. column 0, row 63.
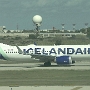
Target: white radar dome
column 37, row 19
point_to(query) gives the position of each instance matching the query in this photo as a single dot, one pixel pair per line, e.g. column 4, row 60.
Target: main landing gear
column 47, row 64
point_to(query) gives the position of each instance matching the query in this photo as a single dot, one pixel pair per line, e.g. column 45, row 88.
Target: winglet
column 19, row 50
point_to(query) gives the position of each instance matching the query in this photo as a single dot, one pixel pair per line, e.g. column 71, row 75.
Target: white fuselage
column 75, row 51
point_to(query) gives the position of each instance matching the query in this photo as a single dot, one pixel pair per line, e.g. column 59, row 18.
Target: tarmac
column 31, row 66
column 46, row 88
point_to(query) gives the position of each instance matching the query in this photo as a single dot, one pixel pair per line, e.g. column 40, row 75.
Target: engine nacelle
column 64, row 60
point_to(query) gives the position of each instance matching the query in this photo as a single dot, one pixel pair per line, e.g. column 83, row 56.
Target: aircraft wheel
column 47, row 64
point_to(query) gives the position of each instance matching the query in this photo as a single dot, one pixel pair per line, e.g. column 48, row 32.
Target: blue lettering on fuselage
column 44, row 51
column 52, row 51
column 78, row 51
column 58, row 51
column 88, row 50
column 85, row 51
column 37, row 50
column 70, row 50
column 27, row 51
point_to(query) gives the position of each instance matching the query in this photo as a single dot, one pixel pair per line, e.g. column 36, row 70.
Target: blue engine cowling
column 63, row 60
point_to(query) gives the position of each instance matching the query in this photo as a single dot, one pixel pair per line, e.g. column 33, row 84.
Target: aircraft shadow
column 56, row 66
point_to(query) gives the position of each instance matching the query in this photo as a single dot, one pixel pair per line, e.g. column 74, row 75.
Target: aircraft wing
column 43, row 58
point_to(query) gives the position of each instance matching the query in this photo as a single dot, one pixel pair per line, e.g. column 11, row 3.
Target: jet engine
column 64, row 60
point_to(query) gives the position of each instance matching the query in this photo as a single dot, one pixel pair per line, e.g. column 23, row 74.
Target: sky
column 53, row 13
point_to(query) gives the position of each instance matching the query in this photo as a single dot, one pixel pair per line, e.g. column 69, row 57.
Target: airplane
column 60, row 54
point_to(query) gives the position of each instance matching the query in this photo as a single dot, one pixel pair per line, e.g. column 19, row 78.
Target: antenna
column 74, row 26
column 62, row 26
column 86, row 26
column 17, row 26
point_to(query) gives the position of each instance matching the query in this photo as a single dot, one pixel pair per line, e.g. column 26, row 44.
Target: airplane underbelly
column 19, row 57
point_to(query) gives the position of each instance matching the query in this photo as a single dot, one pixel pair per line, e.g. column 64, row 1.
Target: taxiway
column 37, row 66
column 46, row 88
column 31, row 66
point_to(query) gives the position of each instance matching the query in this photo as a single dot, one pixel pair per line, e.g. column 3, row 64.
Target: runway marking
column 76, row 88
